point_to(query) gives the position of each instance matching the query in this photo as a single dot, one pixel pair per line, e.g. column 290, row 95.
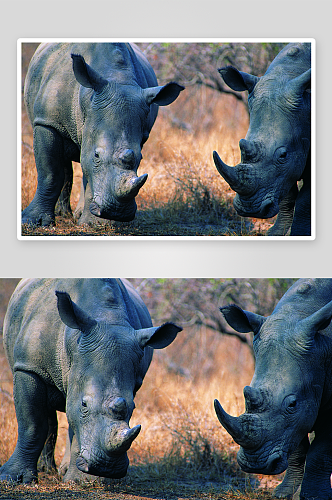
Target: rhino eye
column 85, row 403
column 290, row 403
column 97, row 155
column 281, row 155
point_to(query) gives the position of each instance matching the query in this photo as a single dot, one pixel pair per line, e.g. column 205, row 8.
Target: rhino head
column 106, row 368
column 275, row 150
column 117, row 122
column 284, row 397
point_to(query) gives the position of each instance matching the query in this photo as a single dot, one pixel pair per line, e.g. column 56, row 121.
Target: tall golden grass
column 184, row 194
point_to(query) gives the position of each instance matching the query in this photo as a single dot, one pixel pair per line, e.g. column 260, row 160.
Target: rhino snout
column 250, row 208
column 255, row 464
column 114, row 468
column 95, row 209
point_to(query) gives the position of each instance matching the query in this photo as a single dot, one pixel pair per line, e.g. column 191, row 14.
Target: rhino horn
column 129, row 185
column 121, row 437
column 250, row 151
column 238, row 427
column 241, row 178
column 128, row 158
column 253, row 397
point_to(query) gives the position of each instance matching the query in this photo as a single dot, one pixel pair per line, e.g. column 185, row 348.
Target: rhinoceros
column 275, row 154
column 93, row 103
column 290, row 395
column 80, row 346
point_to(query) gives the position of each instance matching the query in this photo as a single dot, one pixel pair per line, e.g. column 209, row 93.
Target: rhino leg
column 49, row 156
column 46, row 462
column 294, row 474
column 80, row 205
column 30, row 397
column 285, row 214
column 68, row 463
column 66, row 457
column 62, row 206
column 83, row 208
column 317, row 475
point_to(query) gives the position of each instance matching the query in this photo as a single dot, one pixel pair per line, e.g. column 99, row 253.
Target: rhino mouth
column 122, row 212
column 246, row 208
column 112, row 468
column 274, row 464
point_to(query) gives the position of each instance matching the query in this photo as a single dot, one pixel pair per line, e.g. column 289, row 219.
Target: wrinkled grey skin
column 290, row 394
column 275, row 154
column 94, row 103
column 80, row 346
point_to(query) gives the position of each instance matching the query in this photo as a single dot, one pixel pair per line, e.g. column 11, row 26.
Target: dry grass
column 182, row 452
column 184, row 194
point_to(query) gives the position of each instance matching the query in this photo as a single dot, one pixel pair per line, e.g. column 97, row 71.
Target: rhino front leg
column 68, row 463
column 317, row 475
column 294, row 474
column 82, row 212
column 285, row 214
column 49, row 156
column 46, row 460
column 62, row 206
column 30, row 397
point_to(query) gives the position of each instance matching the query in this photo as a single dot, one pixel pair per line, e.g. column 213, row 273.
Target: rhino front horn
column 241, row 178
column 129, row 185
column 121, row 438
column 245, row 429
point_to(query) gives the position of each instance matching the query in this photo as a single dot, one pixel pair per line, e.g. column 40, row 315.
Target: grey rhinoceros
column 290, row 394
column 275, row 154
column 80, row 346
column 93, row 103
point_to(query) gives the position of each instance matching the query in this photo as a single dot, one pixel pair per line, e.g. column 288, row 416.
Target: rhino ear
column 72, row 315
column 237, row 80
column 300, row 84
column 158, row 337
column 162, row 95
column 242, row 321
column 307, row 328
column 87, row 76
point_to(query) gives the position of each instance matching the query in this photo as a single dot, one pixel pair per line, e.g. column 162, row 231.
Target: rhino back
column 34, row 335
column 52, row 93
column 304, row 298
column 292, row 60
column 32, row 328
